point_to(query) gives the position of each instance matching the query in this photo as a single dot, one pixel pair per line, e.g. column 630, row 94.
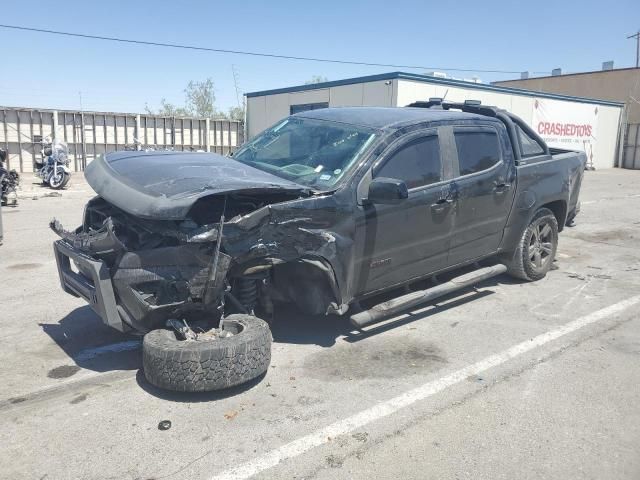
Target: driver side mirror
column 387, row 191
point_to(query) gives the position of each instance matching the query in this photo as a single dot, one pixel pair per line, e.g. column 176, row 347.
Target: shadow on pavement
column 195, row 397
column 92, row 345
column 293, row 326
column 411, row 317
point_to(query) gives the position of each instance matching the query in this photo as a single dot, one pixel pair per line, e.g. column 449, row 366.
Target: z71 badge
column 380, row 263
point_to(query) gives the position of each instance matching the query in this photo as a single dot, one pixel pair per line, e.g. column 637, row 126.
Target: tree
column 201, row 98
column 167, row 110
column 316, row 79
column 236, row 113
column 200, row 101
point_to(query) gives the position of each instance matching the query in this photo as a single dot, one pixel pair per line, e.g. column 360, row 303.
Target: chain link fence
column 631, row 151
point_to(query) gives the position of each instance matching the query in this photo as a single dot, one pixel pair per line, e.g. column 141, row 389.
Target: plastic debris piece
column 164, row 425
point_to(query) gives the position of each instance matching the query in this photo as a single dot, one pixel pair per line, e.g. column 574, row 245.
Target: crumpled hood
column 165, row 185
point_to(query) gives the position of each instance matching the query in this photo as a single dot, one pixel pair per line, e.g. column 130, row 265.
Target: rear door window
column 417, row 163
column 478, row 150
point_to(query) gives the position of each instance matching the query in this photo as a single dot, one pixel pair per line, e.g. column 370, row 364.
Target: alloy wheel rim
column 541, row 246
column 56, row 179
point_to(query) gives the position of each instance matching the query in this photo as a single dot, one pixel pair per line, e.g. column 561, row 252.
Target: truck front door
column 409, row 239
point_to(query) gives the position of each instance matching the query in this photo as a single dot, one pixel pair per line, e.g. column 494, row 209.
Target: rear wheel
column 536, row 249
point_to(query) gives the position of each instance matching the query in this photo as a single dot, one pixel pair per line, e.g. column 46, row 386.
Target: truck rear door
column 484, row 188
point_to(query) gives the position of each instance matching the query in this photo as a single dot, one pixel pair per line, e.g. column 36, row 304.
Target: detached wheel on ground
column 537, row 248
column 206, row 365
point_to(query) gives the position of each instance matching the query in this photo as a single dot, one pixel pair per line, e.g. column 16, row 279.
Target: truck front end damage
column 137, row 273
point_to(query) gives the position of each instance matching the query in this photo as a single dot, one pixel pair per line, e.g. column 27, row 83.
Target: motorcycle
column 54, row 170
column 9, row 181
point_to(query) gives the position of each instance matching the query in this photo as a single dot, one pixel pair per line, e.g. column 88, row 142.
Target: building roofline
column 431, row 80
column 592, row 72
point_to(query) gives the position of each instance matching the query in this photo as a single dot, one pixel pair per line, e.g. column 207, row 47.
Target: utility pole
column 637, row 37
column 235, row 82
column 82, row 135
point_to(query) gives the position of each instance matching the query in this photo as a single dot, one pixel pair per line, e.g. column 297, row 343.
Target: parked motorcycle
column 54, row 169
column 9, row 181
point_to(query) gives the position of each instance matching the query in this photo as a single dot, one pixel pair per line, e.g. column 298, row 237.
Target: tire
column 58, row 178
column 67, row 177
column 58, row 184
column 533, row 258
column 201, row 366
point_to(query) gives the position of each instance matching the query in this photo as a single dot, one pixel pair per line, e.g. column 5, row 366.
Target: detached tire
column 200, row 366
column 536, row 249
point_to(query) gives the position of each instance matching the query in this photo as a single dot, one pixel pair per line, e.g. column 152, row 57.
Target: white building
column 594, row 126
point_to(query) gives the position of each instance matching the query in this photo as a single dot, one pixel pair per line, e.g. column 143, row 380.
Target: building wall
column 264, row 111
column 88, row 134
column 622, row 85
column 606, row 151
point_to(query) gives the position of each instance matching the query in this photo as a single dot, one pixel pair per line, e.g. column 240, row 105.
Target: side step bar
column 397, row 305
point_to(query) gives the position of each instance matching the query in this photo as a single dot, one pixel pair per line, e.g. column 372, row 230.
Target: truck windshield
column 314, row 153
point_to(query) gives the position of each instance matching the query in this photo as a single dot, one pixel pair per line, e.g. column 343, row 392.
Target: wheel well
column 559, row 210
column 309, row 283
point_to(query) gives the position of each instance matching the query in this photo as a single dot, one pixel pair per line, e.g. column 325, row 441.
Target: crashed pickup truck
column 324, row 210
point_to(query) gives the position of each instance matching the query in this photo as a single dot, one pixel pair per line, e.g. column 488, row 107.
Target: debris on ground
column 231, row 415
column 361, row 436
column 334, row 461
column 164, row 425
column 584, row 277
column 576, row 276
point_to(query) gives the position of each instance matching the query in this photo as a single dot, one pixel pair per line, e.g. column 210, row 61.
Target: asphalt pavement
column 507, row 380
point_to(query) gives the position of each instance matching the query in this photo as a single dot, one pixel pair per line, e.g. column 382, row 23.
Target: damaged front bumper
column 137, row 290
column 91, row 282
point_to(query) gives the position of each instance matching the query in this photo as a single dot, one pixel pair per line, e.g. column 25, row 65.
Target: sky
column 47, row 71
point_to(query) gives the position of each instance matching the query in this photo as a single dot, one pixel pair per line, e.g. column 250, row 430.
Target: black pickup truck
column 326, row 209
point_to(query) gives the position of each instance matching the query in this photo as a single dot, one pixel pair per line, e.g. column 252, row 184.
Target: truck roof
column 388, row 117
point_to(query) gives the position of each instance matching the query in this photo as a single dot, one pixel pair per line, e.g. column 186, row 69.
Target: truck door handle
column 441, row 204
column 501, row 187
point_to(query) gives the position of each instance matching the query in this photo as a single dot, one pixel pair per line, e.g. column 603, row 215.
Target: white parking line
column 341, row 427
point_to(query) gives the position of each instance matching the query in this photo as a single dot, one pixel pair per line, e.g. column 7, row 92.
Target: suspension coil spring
column 246, row 291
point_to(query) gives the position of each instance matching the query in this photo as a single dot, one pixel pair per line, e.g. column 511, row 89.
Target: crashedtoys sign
column 569, row 126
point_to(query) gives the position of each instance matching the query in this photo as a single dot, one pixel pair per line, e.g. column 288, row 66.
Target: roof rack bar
column 432, row 102
column 472, row 108
column 469, row 106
